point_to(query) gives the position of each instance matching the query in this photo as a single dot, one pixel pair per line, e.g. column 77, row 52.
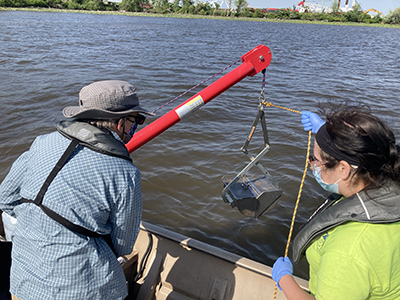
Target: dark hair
column 357, row 133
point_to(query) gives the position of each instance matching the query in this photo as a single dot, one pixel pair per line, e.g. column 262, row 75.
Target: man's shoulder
column 49, row 140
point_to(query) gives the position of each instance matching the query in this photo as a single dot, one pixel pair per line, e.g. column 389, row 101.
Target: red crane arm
column 253, row 62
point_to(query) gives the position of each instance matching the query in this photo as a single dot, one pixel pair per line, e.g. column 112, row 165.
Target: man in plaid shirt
column 98, row 188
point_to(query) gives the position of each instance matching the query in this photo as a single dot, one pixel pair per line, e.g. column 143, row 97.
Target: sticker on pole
column 189, row 107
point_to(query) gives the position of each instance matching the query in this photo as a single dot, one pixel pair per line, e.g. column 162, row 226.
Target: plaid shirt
column 99, row 192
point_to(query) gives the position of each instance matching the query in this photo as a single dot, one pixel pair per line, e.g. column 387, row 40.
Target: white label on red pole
column 190, row 106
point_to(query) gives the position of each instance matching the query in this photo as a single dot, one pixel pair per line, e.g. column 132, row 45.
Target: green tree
column 74, row 4
column 306, row 16
column 37, row 3
column 161, row 6
column 7, row 3
column 357, row 7
column 215, row 10
column 203, row 8
column 93, row 5
column 283, row 13
column 258, row 13
column 393, row 16
column 355, row 15
column 240, row 6
column 337, row 17
column 295, row 15
column 335, row 6
column 133, row 5
column 376, row 19
column 229, row 10
column 176, row 6
column 55, row 3
column 271, row 15
column 187, row 6
column 365, row 18
column 18, row 3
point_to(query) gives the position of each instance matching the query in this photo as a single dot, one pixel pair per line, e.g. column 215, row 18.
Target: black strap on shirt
column 55, row 216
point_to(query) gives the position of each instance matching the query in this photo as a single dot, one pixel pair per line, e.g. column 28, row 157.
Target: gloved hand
column 282, row 266
column 311, row 121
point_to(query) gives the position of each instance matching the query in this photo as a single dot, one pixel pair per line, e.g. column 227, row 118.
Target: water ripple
column 48, row 57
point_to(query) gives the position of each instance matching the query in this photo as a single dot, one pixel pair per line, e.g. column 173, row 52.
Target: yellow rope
column 299, row 195
column 268, row 104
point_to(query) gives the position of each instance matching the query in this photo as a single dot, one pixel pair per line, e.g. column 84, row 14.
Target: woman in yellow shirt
column 352, row 244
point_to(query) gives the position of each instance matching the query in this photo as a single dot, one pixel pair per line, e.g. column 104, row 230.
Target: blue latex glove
column 282, row 266
column 311, row 121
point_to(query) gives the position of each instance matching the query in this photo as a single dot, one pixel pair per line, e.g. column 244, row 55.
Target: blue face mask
column 131, row 132
column 330, row 187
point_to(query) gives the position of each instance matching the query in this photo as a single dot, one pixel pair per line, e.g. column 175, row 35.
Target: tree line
column 236, row 8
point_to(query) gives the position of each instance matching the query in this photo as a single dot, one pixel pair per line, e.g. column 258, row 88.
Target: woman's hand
column 282, row 274
column 282, row 266
column 311, row 121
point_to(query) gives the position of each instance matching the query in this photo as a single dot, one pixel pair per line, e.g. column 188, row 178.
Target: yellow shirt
column 356, row 261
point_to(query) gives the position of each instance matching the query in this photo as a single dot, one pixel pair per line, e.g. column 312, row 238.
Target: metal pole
column 254, row 62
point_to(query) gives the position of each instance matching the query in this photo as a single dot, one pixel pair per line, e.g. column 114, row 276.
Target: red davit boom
column 253, row 62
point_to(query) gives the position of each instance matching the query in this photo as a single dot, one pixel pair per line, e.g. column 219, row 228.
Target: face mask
column 131, row 132
column 330, row 187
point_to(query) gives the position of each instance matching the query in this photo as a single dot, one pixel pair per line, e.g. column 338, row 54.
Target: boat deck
column 180, row 268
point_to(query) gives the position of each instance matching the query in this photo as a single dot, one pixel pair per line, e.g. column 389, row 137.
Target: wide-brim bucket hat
column 108, row 99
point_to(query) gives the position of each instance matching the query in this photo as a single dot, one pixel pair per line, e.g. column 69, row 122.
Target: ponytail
column 371, row 142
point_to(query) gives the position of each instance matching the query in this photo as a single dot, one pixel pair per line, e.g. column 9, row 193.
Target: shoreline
column 188, row 16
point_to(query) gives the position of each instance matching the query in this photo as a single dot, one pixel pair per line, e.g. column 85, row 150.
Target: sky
column 382, row 5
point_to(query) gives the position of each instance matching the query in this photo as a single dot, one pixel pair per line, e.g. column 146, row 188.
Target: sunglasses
column 139, row 119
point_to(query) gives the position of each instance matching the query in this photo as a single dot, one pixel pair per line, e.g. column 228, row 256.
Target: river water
column 46, row 58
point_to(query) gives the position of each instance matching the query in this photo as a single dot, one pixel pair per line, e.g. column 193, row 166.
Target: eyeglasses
column 313, row 161
column 139, row 119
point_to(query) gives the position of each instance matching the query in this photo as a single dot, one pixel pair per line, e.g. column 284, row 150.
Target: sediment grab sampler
column 251, row 195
